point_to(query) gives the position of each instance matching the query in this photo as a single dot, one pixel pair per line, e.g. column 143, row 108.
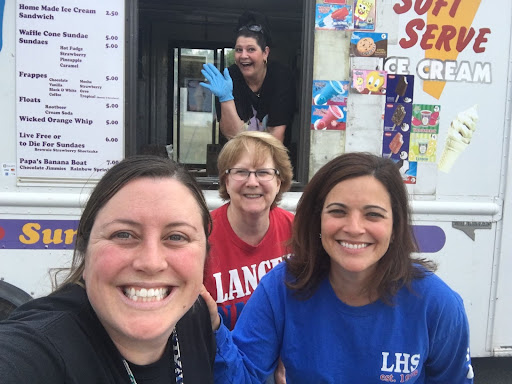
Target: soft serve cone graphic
column 460, row 133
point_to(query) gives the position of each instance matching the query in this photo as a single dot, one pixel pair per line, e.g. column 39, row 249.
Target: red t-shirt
column 235, row 267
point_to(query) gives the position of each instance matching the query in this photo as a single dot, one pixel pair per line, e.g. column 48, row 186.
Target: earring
column 320, row 235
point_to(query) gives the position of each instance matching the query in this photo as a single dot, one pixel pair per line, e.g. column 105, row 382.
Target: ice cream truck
column 426, row 83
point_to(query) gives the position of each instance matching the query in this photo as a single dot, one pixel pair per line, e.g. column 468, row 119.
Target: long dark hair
column 311, row 263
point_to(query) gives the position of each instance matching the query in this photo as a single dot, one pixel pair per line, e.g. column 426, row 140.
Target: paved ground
column 496, row 370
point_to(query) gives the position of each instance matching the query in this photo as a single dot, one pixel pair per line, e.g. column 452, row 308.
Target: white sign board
column 69, row 87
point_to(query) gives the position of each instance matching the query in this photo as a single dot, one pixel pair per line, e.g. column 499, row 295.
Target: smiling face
column 356, row 227
column 144, row 261
column 249, row 56
column 252, row 196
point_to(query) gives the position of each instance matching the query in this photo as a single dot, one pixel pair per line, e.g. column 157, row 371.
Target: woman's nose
column 354, row 224
column 150, row 257
column 252, row 179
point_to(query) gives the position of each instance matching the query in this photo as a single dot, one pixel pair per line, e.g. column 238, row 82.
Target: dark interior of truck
column 174, row 115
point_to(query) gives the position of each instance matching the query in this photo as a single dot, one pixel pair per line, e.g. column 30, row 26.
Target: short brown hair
column 311, row 263
column 265, row 145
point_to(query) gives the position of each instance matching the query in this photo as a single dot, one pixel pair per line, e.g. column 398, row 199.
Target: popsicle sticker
column 330, row 92
column 364, row 14
column 424, row 132
column 400, row 88
column 328, row 117
column 334, row 17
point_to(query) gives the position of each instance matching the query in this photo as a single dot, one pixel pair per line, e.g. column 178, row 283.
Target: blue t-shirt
column 422, row 338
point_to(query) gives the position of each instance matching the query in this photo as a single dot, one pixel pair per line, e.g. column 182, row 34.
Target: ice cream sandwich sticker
column 424, row 132
column 328, row 117
column 369, row 44
column 333, row 17
column 369, row 82
column 400, row 88
column 330, row 92
column 364, row 14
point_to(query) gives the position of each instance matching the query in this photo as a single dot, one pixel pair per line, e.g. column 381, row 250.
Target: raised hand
column 220, row 85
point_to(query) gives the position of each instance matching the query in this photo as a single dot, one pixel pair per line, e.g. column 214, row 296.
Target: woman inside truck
column 351, row 305
column 129, row 310
column 255, row 93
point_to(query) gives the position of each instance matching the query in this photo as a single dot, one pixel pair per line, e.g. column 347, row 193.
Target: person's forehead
column 244, row 41
column 255, row 156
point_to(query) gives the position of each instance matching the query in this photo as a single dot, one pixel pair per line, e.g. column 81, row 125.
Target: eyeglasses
column 241, row 174
column 253, row 28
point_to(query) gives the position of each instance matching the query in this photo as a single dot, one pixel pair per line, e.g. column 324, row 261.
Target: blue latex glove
column 221, row 86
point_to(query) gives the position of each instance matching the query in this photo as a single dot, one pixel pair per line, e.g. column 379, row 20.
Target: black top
column 59, row 339
column 272, row 105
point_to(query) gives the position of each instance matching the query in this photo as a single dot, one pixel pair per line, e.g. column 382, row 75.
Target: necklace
column 178, row 369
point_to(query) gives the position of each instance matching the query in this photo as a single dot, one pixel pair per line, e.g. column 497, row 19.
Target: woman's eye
column 122, row 235
column 176, row 237
column 336, row 212
column 375, row 214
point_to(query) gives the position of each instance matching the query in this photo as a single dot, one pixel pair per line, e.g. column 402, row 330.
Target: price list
column 69, row 87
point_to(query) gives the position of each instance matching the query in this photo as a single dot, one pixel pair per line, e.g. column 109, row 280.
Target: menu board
column 69, row 87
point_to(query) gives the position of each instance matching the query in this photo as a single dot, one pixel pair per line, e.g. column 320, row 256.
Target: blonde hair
column 264, row 145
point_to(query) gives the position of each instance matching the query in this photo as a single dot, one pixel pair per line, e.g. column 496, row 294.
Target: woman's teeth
column 143, row 294
column 353, row 246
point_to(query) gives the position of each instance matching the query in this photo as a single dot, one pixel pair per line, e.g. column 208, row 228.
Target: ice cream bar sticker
column 397, row 121
column 330, row 92
column 333, row 17
column 424, row 132
column 397, row 117
column 328, row 117
column 364, row 15
column 369, row 44
column 369, row 82
column 400, row 88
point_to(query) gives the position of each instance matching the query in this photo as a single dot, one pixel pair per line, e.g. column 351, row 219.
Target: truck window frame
column 304, row 90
